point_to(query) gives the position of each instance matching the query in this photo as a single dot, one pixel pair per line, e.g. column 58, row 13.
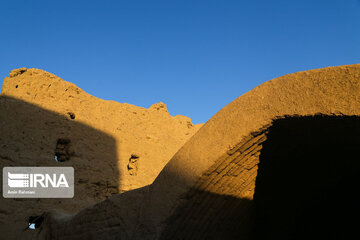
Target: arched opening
column 308, row 179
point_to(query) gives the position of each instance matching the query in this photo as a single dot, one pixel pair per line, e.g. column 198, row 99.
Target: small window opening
column 35, row 221
column 133, row 164
column 71, row 115
column 62, row 150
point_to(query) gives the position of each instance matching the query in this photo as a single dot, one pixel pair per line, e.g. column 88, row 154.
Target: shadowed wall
column 30, row 137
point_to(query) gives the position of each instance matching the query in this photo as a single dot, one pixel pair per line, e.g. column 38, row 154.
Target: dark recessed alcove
column 308, row 179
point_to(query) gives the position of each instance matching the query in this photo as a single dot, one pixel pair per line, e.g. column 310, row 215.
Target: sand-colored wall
column 114, row 147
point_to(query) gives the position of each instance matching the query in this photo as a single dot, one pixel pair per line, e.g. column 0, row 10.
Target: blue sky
column 195, row 56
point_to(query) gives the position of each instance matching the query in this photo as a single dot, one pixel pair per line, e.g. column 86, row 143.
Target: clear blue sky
column 195, row 56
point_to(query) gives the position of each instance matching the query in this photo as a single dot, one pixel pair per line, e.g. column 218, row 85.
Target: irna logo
column 38, row 182
column 24, row 180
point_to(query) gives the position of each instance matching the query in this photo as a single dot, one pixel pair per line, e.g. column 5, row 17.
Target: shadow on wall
column 207, row 215
column 306, row 187
column 33, row 136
